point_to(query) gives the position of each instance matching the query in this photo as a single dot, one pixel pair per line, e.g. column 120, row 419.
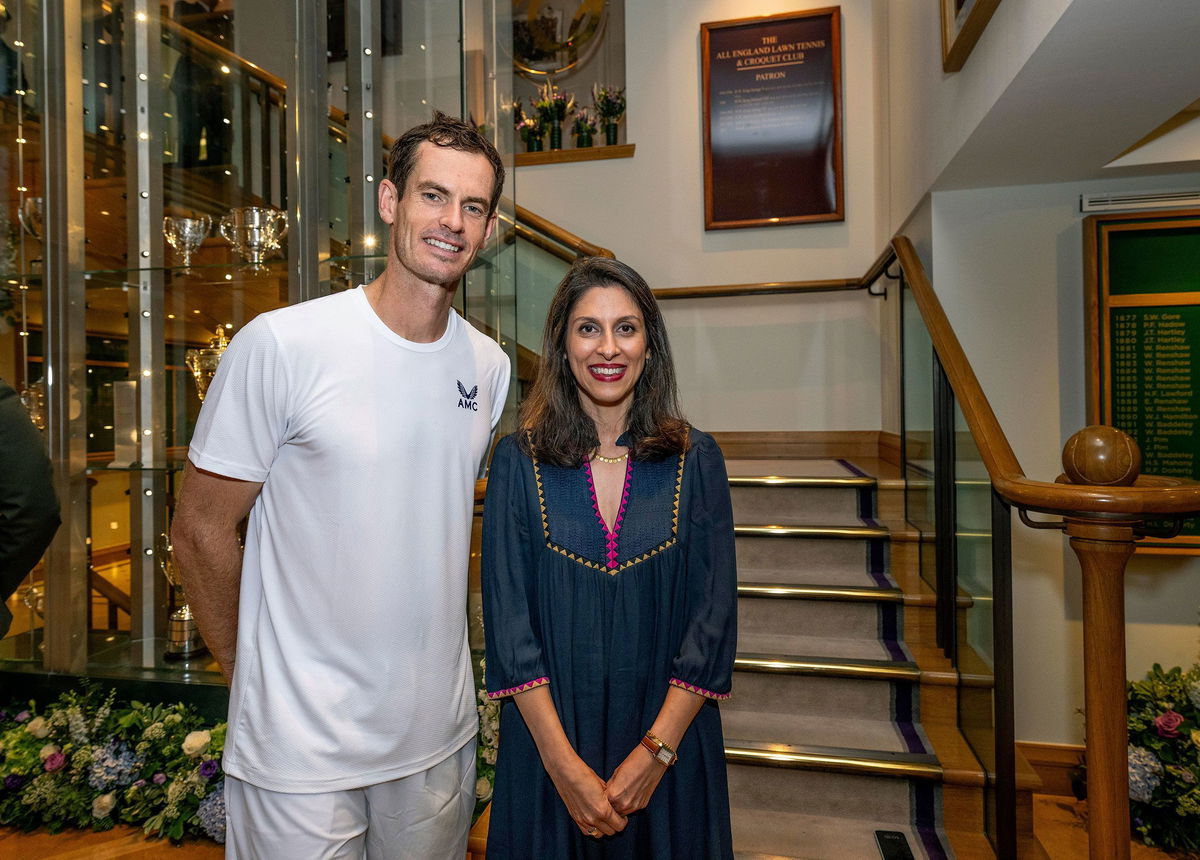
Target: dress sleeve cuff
column 700, row 691
column 520, row 688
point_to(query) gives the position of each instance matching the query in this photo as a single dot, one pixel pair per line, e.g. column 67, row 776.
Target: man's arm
column 208, row 556
column 29, row 514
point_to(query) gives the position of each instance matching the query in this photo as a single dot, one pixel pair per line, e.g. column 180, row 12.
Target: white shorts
column 424, row 816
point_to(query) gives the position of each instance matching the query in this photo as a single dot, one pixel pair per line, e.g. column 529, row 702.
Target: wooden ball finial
column 1102, row 455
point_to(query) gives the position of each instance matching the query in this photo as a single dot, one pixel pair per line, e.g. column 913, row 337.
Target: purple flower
column 54, row 761
column 13, row 781
column 209, row 768
column 22, row 717
column 1168, row 723
column 159, row 778
column 139, row 783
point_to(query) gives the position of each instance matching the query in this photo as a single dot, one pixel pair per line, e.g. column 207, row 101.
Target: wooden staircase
column 844, row 715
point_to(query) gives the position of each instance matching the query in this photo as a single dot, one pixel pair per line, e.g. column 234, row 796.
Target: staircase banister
column 221, row 53
column 562, row 236
column 1150, row 496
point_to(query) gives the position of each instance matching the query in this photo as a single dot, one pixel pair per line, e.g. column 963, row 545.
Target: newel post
column 1105, row 456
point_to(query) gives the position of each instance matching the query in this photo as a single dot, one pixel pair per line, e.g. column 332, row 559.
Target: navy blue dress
column 609, row 620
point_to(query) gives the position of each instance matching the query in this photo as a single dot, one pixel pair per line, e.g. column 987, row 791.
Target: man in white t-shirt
column 351, row 429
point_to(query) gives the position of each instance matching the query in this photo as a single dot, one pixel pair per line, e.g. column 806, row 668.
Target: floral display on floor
column 82, row 762
column 1164, row 758
column 489, row 743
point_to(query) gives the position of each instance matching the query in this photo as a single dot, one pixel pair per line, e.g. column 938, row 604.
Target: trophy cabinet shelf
column 567, row 156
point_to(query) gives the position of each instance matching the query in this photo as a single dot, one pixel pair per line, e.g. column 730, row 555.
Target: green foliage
column 83, row 762
column 1164, row 758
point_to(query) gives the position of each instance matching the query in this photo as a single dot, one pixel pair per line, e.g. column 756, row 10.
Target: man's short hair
column 443, row 130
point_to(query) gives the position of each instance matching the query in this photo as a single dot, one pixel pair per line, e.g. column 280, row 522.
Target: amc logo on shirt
column 468, row 401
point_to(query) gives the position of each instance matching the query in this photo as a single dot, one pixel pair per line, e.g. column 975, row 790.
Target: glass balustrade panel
column 917, row 374
column 975, row 628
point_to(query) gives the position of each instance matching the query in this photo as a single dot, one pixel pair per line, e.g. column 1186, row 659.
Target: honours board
column 1143, row 303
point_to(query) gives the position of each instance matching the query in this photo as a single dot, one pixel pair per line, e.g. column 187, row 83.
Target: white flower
column 48, row 750
column 104, row 804
column 489, row 755
column 171, row 719
column 37, row 727
column 196, row 743
column 483, row 788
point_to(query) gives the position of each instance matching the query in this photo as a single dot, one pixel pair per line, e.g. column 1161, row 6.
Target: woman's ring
column 593, row 831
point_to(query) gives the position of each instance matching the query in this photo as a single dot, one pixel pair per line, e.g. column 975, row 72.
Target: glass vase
column 556, row 135
column 610, row 134
column 583, row 141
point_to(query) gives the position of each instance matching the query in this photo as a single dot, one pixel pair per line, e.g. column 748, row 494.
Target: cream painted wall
column 1009, row 260
column 659, row 193
column 649, row 209
column 931, row 114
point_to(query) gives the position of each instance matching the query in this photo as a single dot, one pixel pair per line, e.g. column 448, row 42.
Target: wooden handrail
column 566, row 238
column 1150, row 496
column 221, row 53
column 761, row 289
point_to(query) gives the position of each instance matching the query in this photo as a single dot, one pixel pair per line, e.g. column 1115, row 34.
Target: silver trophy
column 32, row 215
column 203, row 362
column 254, row 232
column 183, row 634
column 185, row 236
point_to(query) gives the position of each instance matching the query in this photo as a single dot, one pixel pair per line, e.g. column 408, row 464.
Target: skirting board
column 1053, row 763
column 801, row 444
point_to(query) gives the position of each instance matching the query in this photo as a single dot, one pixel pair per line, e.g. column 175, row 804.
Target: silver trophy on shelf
column 254, row 232
column 185, row 235
column 32, row 215
column 183, row 634
column 203, row 362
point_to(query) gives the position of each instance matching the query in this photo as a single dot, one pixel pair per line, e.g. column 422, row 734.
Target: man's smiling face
column 439, row 220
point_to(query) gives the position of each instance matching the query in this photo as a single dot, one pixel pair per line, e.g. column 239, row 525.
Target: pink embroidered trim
column 610, row 537
column 692, row 688
column 528, row 685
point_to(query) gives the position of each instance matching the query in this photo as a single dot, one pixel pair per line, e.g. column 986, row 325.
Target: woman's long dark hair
column 556, row 428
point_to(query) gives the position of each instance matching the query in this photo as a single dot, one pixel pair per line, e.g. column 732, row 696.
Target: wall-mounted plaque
column 772, row 120
column 962, row 25
column 1142, row 274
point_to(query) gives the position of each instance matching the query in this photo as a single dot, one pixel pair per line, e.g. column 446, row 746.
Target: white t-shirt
column 352, row 659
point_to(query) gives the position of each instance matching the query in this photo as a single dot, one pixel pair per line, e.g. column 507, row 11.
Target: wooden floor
column 1060, row 824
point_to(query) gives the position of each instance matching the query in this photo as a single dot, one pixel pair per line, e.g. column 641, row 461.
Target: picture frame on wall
column 963, row 22
column 773, row 120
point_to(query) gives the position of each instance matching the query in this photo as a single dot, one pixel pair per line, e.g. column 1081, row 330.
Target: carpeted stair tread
column 862, row 735
column 833, row 575
column 819, row 646
column 794, row 468
column 799, row 836
column 833, row 527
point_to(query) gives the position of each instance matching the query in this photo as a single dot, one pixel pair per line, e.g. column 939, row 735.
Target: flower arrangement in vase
column 609, row 104
column 552, row 106
column 530, row 128
column 584, row 128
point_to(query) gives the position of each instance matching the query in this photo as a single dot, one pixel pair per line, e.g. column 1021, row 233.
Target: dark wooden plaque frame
column 801, row 189
column 1099, row 302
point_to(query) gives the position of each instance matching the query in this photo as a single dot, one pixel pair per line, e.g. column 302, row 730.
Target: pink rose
column 1168, row 723
column 54, row 761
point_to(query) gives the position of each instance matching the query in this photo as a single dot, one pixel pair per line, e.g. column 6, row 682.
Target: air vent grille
column 1139, row 200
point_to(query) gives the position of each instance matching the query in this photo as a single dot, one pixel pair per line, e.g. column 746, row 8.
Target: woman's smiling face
column 606, row 348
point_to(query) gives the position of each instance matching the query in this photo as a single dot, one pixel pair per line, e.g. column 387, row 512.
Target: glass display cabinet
column 172, row 171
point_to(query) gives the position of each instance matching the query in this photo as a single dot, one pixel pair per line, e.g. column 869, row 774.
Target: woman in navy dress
column 609, row 594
